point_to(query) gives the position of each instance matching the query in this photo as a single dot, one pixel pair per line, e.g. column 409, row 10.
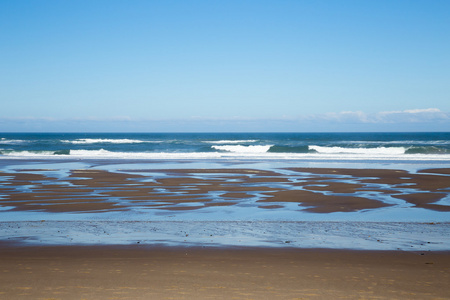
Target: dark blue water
column 216, row 145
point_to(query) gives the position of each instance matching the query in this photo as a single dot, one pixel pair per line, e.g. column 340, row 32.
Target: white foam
column 11, row 142
column 30, row 153
column 110, row 141
column 230, row 141
column 140, row 155
column 249, row 152
column 400, row 142
column 369, row 151
column 244, row 149
column 100, row 152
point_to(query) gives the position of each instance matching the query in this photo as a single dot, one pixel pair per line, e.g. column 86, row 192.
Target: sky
column 158, row 66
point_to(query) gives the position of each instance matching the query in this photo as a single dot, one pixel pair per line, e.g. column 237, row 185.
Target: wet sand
column 314, row 190
column 220, row 273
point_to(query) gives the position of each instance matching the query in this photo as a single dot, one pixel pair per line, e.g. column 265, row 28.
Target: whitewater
column 258, row 146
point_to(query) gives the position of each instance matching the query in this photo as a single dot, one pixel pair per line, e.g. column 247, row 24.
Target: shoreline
column 370, row 236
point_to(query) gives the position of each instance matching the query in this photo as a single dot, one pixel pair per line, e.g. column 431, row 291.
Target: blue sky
column 224, row 65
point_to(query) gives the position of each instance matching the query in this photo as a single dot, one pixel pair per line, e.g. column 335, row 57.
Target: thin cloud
column 426, row 110
column 405, row 116
column 344, row 116
column 413, row 116
column 430, row 119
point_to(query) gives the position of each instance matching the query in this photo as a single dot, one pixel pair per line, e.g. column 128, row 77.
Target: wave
column 5, row 141
column 231, row 141
column 426, row 150
column 31, row 153
column 291, row 149
column 101, row 152
column 244, row 149
column 109, row 141
column 105, row 154
column 263, row 152
column 372, row 151
column 398, row 142
column 381, row 150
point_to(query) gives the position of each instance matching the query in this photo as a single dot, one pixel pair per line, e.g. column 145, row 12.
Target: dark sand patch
column 444, row 171
column 320, row 203
column 395, row 178
column 182, row 181
column 26, row 177
column 385, row 173
column 129, row 193
column 64, row 205
column 271, row 206
column 98, row 178
column 266, row 180
column 334, row 187
column 58, row 188
column 430, row 182
column 425, row 200
column 219, row 171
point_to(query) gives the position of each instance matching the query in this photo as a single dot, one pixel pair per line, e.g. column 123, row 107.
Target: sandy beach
column 225, row 273
column 77, row 254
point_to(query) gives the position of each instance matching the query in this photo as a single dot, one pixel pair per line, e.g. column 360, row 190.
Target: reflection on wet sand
column 314, row 190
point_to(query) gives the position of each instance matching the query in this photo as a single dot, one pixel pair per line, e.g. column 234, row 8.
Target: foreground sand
column 220, row 273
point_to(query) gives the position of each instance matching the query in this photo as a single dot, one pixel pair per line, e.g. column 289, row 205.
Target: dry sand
column 196, row 273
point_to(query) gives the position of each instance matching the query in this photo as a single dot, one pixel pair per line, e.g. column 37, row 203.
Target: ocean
column 424, row 146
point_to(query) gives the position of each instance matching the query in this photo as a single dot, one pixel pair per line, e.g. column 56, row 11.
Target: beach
column 139, row 272
column 222, row 233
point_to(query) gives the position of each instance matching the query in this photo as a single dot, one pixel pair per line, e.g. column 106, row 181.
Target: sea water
column 365, row 147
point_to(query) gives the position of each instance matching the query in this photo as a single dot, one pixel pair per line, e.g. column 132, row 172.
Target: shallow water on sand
column 240, row 203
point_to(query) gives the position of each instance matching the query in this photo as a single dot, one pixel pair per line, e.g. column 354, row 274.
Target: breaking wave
column 101, row 141
column 230, row 141
column 4, row 141
column 29, row 153
column 327, row 146
column 342, row 150
column 243, row 149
